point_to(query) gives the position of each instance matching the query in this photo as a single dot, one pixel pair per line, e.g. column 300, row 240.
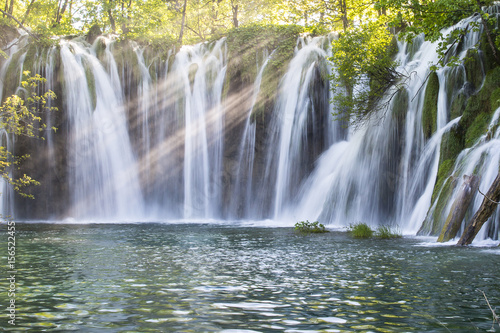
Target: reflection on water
column 215, row 278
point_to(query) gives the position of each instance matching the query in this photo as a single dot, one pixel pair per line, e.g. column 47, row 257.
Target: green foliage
column 307, row 227
column 363, row 57
column 248, row 43
column 431, row 17
column 385, row 232
column 360, row 230
column 21, row 116
column 429, row 112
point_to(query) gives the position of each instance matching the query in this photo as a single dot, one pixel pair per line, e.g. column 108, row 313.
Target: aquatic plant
column 307, row 227
column 386, row 232
column 360, row 230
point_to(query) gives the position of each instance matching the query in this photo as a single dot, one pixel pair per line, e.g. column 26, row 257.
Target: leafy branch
column 22, row 117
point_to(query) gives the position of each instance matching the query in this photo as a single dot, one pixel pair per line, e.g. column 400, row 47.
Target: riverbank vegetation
column 306, row 227
column 363, row 230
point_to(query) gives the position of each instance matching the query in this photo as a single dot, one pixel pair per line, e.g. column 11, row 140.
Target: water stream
column 147, row 139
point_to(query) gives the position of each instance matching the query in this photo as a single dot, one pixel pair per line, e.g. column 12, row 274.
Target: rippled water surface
column 222, row 278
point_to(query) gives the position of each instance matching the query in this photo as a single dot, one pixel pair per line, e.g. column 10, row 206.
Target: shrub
column 307, row 227
column 361, row 230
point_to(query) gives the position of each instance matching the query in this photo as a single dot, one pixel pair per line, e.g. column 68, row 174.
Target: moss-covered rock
column 436, row 216
column 94, row 32
column 429, row 112
column 474, row 69
column 495, row 99
column 89, row 75
column 478, row 127
column 248, row 42
column 479, row 108
column 458, row 106
column 445, row 169
column 489, row 59
column 7, row 34
column 452, row 144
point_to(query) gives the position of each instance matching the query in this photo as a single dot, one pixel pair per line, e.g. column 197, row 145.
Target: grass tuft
column 307, row 227
column 385, row 232
column 360, row 230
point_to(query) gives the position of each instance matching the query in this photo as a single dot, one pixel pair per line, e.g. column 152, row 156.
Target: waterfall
column 385, row 172
column 146, row 137
column 201, row 75
column 103, row 170
column 294, row 126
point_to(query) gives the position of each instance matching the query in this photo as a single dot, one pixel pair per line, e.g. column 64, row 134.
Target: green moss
column 89, row 75
column 473, row 69
column 458, row 106
column 126, row 57
column 454, row 81
column 473, row 108
column 413, row 46
column 193, row 68
column 433, row 223
column 32, row 56
column 491, row 81
column 478, row 127
column 452, row 144
column 495, row 99
column 400, row 107
column 444, row 171
column 429, row 113
column 100, row 50
column 11, row 81
column 489, row 58
column 248, row 43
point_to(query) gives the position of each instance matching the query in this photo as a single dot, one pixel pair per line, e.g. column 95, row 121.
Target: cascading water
column 242, row 205
column 299, row 130
column 385, row 172
column 103, row 175
column 201, row 75
column 147, row 139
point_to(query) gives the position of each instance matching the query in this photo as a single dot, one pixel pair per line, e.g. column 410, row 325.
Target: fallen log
column 482, row 215
column 459, row 208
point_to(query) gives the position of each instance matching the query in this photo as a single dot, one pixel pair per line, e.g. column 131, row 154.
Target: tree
column 431, row 17
column 364, row 64
column 183, row 21
column 20, row 116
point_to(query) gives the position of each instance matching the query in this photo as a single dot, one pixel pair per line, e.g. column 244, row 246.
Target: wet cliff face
column 155, row 106
column 242, row 128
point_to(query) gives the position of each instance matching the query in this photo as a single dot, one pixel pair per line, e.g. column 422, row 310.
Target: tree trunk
column 484, row 212
column 235, row 15
column 459, row 208
column 343, row 14
column 111, row 20
column 60, row 11
column 183, row 22
column 11, row 7
column 28, row 10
